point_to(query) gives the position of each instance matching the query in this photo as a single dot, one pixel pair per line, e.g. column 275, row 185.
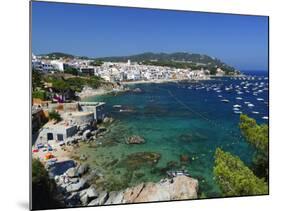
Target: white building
column 58, row 65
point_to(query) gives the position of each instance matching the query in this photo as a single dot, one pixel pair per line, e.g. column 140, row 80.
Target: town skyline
column 240, row 41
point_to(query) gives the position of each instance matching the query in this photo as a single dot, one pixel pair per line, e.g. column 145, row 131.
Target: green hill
column 59, row 55
column 177, row 60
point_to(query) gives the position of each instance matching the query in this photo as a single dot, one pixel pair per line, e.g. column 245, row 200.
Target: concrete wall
column 83, row 118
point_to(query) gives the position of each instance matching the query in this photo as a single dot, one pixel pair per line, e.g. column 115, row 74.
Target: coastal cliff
column 177, row 188
column 77, row 189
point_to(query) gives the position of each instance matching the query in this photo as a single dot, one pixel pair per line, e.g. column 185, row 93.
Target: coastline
column 160, row 81
column 90, row 92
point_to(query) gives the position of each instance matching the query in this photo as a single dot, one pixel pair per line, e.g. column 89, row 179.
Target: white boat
column 219, row 95
column 239, row 98
column 260, row 99
column 237, row 106
column 246, row 102
column 225, row 100
column 265, row 117
column 237, row 112
column 236, row 109
column 251, row 105
column 255, row 112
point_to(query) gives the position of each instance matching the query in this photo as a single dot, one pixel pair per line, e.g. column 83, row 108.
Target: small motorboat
column 225, row 100
column 237, row 106
column 237, row 112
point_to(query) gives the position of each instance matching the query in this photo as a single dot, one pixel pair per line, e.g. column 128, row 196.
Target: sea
column 184, row 123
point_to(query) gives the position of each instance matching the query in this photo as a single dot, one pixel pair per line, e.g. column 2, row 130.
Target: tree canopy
column 235, row 178
column 43, row 189
column 257, row 136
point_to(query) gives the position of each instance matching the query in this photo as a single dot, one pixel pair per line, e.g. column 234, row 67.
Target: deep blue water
column 184, row 118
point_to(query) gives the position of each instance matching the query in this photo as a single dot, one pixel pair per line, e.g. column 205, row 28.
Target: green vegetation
column 37, row 79
column 43, row 189
column 235, row 178
column 70, row 70
column 57, row 55
column 53, row 115
column 257, row 136
column 176, row 60
column 96, row 63
column 41, row 94
column 74, row 83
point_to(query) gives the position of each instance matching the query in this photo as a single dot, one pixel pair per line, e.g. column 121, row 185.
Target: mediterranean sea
column 183, row 122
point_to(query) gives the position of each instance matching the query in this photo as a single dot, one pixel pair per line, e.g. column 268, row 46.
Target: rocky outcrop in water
column 180, row 187
column 75, row 185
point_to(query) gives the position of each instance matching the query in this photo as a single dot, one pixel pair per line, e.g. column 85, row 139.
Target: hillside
column 58, row 55
column 178, row 60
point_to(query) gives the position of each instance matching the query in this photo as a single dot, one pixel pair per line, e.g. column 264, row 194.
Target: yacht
column 225, row 100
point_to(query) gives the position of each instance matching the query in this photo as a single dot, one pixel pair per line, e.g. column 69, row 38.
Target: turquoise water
column 174, row 119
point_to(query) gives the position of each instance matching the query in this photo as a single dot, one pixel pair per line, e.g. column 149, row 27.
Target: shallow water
column 174, row 119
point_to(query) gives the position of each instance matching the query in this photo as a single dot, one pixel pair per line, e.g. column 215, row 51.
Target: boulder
column 135, row 140
column 108, row 120
column 77, row 186
column 72, row 200
column 82, row 169
column 74, row 180
column 86, row 134
column 71, row 172
column 87, row 195
column 178, row 188
column 103, row 196
column 115, row 197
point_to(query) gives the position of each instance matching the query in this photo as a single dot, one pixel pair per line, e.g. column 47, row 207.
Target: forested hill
column 178, row 59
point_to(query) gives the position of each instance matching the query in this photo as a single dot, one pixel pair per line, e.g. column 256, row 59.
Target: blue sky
column 97, row 31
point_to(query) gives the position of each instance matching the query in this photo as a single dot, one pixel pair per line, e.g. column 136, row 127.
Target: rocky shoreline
column 78, row 189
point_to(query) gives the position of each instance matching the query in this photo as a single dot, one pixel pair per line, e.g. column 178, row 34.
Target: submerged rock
column 135, row 140
column 184, row 158
column 135, row 160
